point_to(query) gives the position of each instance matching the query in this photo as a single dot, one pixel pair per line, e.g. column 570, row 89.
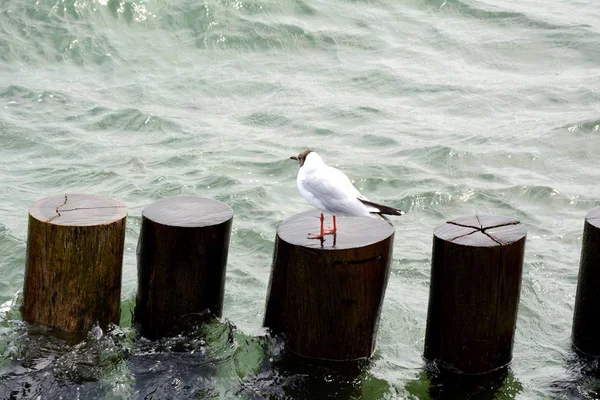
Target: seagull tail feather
column 381, row 209
column 386, row 219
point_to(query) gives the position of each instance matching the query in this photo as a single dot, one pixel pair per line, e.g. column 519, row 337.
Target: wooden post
column 476, row 274
column 586, row 323
column 74, row 262
column 326, row 297
column 182, row 256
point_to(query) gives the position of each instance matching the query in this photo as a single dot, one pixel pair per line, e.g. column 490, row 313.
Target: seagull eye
column 299, row 157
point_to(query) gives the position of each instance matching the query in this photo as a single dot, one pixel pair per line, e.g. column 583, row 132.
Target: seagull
column 329, row 190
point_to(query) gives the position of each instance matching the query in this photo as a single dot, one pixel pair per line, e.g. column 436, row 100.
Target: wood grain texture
column 182, row 259
column 586, row 324
column 78, row 210
column 74, row 262
column 326, row 299
column 476, row 272
column 188, row 211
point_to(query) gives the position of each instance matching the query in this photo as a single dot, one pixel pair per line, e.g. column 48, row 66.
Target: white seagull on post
column 329, row 190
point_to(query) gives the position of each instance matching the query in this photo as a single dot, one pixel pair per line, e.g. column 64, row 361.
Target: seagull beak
column 294, row 158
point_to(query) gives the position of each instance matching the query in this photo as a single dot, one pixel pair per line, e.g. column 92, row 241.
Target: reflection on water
column 293, row 377
column 583, row 380
column 436, row 384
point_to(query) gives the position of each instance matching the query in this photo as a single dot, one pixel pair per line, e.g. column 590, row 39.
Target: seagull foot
column 316, row 236
column 330, row 231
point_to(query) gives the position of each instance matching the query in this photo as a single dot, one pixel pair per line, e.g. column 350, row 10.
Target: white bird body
column 329, row 189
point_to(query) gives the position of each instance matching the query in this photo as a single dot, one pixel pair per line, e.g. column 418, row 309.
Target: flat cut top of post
column 352, row 232
column 76, row 209
column 481, row 231
column 188, row 211
column 593, row 217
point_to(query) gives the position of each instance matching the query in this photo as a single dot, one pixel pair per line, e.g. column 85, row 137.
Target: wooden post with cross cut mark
column 476, row 273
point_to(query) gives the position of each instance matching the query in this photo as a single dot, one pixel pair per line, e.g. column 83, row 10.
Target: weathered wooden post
column 182, row 257
column 326, row 297
column 476, row 273
column 74, row 262
column 586, row 321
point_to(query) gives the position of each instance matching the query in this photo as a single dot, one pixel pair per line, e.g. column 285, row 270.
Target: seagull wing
column 336, row 193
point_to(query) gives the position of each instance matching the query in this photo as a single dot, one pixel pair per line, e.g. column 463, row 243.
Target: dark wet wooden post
column 326, row 297
column 182, row 256
column 476, row 273
column 586, row 321
column 74, row 262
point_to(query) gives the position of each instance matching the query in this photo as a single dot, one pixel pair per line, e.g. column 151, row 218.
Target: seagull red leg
column 320, row 235
column 332, row 231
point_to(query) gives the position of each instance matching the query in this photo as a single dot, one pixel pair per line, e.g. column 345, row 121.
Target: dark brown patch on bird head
column 301, row 157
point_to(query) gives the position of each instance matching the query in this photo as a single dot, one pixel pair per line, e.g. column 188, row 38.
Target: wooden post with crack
column 586, row 324
column 476, row 272
column 325, row 297
column 74, row 262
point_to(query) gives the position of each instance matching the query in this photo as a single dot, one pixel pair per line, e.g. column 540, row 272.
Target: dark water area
column 212, row 359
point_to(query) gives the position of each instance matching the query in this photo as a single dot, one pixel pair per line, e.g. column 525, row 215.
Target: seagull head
column 301, row 158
